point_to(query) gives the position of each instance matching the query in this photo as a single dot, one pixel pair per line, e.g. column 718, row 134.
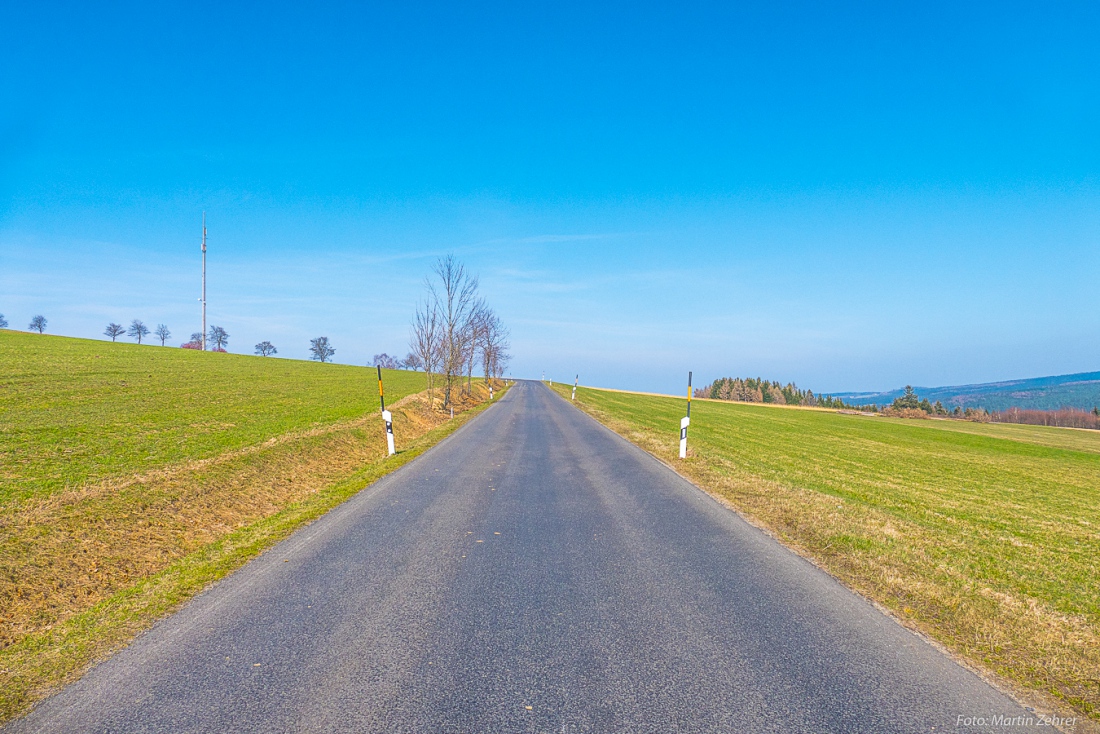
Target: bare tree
column 454, row 292
column 3, row 322
column 385, row 361
column 427, row 340
column 413, row 361
column 38, row 323
column 321, row 349
column 454, row 329
column 219, row 337
column 195, row 342
column 472, row 340
column 494, row 346
column 266, row 349
column 137, row 330
column 502, row 364
column 114, row 331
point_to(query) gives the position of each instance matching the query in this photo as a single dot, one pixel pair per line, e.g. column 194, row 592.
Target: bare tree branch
column 114, row 330
column 455, row 293
column 320, row 349
column 427, row 340
column 219, row 337
column 137, row 330
column 453, row 328
column 384, row 361
column 266, row 349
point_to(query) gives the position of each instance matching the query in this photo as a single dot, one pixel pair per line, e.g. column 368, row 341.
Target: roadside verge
column 93, row 568
column 982, row 541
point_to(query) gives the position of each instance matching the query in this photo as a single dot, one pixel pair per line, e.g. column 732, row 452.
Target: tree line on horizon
column 1061, row 418
column 911, row 405
column 217, row 339
column 907, row 405
column 410, row 362
column 758, row 390
column 453, row 330
column 320, row 348
column 38, row 323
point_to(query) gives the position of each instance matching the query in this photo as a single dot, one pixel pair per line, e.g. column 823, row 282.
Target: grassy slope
column 44, row 660
column 986, row 537
column 133, row 476
column 74, row 411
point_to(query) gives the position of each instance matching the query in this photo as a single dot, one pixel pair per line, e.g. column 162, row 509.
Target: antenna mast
column 204, row 281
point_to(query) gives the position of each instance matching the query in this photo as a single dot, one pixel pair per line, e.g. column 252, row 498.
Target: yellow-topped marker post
column 684, row 423
column 386, row 415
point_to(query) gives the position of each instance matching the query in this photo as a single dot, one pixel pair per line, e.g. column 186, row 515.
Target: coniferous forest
column 757, row 390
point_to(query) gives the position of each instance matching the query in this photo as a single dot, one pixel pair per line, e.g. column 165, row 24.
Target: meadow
column 131, row 477
column 74, row 411
column 984, row 537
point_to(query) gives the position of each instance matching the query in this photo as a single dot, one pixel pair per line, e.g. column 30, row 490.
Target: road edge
column 88, row 639
column 1029, row 699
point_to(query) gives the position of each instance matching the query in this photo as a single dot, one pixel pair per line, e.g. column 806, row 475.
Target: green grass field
column 986, row 537
column 74, row 411
column 133, row 476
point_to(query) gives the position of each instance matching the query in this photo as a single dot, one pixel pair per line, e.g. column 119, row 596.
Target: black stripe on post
column 381, row 397
column 689, row 393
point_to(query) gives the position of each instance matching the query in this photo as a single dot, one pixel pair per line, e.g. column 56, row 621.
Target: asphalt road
column 532, row 573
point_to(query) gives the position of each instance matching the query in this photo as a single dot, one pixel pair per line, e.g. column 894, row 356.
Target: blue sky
column 851, row 198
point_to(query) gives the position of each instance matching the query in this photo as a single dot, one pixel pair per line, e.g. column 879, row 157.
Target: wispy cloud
column 537, row 239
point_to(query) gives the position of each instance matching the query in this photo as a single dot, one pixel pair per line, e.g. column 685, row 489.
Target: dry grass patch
column 63, row 554
column 82, row 572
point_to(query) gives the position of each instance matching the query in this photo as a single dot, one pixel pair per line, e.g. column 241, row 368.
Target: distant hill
column 1081, row 390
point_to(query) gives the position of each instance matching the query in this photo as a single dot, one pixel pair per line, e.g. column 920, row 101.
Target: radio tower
column 204, row 281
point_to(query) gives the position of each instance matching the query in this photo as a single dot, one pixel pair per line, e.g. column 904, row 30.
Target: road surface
column 532, row 573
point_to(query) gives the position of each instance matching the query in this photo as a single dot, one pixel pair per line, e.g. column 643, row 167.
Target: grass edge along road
column 89, row 563
column 984, row 543
column 39, row 664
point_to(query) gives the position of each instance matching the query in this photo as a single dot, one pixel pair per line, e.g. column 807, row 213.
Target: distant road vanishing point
column 532, row 573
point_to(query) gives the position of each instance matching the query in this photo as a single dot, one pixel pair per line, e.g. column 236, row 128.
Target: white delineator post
column 574, row 398
column 684, row 423
column 387, row 416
